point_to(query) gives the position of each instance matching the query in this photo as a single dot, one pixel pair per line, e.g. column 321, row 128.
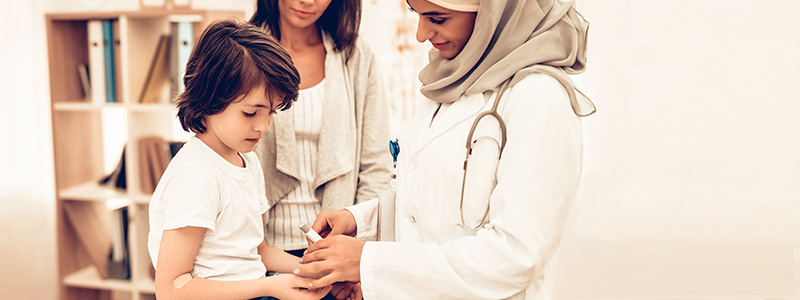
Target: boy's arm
column 176, row 259
column 277, row 260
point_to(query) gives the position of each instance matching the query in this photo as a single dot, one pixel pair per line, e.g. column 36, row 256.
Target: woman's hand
column 333, row 259
column 288, row 286
column 335, row 223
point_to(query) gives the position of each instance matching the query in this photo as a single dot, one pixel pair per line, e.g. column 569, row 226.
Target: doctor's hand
column 332, row 259
column 330, row 223
column 347, row 291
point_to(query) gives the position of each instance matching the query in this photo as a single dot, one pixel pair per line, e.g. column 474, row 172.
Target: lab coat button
column 412, row 219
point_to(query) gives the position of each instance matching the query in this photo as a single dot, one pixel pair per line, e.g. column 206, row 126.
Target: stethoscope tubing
column 493, row 113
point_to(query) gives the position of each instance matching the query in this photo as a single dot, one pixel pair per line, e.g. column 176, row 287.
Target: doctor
column 446, row 250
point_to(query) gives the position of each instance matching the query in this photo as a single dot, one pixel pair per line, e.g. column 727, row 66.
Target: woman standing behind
column 329, row 151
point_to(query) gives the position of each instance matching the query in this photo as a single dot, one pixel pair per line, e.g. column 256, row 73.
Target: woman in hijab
column 450, row 244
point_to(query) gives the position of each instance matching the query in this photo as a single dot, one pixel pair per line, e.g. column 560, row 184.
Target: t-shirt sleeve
column 192, row 198
column 258, row 174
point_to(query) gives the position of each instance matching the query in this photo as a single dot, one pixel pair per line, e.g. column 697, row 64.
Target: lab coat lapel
column 465, row 109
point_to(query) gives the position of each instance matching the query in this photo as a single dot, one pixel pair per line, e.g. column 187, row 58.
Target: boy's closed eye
column 250, row 115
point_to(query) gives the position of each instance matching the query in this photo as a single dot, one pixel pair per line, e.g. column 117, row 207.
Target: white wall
column 27, row 186
column 691, row 160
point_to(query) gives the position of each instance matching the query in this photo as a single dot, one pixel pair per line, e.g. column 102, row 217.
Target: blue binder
column 108, row 49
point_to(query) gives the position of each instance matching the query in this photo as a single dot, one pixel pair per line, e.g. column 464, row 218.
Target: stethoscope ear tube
column 492, row 154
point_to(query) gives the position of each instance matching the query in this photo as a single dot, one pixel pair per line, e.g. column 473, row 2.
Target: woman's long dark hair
column 340, row 20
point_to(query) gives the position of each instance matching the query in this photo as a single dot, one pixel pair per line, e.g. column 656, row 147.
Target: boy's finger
column 323, row 281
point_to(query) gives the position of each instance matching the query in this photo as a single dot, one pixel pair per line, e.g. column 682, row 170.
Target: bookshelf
column 88, row 134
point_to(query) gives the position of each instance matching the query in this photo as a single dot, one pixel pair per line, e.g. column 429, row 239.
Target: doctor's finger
column 316, row 247
column 318, row 293
column 314, row 270
column 323, row 223
column 320, row 257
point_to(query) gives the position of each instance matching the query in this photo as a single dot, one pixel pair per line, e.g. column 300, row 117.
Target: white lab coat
column 537, row 179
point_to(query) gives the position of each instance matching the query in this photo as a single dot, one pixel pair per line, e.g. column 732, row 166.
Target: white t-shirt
column 202, row 189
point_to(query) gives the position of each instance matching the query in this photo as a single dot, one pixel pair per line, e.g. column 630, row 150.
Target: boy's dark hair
column 230, row 59
column 340, row 20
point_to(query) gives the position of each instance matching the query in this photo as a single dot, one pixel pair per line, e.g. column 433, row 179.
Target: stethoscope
column 488, row 155
column 488, row 149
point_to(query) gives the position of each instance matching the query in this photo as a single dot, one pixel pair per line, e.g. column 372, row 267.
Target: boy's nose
column 263, row 125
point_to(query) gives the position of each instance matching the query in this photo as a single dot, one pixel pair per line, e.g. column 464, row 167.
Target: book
column 153, row 161
column 174, row 147
column 118, row 258
column 86, row 87
column 117, row 178
column 108, row 61
column 97, row 67
column 155, row 88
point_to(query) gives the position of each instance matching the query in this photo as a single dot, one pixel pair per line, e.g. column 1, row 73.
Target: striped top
column 300, row 206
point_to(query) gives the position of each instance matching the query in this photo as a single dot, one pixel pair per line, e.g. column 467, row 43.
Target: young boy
column 206, row 231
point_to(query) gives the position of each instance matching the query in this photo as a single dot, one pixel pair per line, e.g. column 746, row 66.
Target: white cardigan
column 353, row 160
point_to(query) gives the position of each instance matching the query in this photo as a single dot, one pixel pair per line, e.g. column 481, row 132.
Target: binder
column 92, row 221
column 108, row 63
column 182, row 41
column 155, row 85
column 117, row 60
column 97, row 69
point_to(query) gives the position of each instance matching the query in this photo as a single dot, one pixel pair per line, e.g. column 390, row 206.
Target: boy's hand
column 347, row 291
column 289, row 286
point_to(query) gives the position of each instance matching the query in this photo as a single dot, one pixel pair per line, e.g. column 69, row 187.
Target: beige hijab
column 513, row 37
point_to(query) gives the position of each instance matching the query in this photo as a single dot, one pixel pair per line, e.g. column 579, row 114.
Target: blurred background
column 691, row 187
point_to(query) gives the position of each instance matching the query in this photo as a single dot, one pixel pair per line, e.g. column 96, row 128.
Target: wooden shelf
column 88, row 106
column 91, row 191
column 88, row 277
column 146, row 286
column 141, row 198
column 81, row 106
column 152, row 107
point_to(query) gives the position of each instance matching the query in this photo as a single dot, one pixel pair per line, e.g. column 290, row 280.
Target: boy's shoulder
column 190, row 162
